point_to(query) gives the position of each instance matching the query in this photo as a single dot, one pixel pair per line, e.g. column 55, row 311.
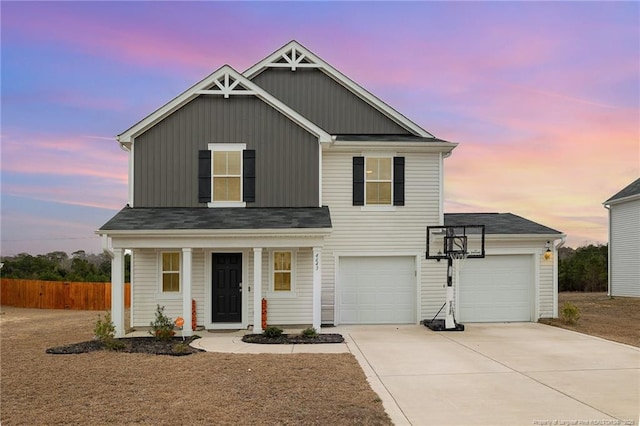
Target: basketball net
column 458, row 260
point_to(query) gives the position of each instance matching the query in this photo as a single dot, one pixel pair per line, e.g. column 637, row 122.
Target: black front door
column 226, row 277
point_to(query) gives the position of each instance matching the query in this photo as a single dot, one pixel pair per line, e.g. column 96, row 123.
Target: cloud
column 64, row 227
column 168, row 39
column 78, row 156
column 78, row 170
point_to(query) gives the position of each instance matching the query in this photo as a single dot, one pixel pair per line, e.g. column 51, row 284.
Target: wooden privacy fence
column 59, row 294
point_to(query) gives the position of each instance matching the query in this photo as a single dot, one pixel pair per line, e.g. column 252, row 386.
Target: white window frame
column 367, row 206
column 227, row 147
column 161, row 294
column 280, row 293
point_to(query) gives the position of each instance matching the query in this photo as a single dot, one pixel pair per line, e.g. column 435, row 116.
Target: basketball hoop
column 459, row 259
column 455, row 244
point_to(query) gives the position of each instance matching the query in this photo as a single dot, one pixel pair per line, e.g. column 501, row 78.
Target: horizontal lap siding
column 247, row 262
column 291, row 310
column 357, row 232
column 197, row 284
column 166, row 156
column 145, row 288
column 434, row 278
column 625, row 249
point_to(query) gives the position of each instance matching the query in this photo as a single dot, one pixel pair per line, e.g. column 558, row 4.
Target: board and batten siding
column 146, row 288
column 326, row 102
column 625, row 248
column 166, row 155
column 360, row 232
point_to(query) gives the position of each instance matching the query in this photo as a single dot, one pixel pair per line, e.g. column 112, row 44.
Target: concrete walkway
column 490, row 374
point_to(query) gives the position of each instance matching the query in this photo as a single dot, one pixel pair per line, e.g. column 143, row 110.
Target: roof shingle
column 632, row 189
column 146, row 219
column 498, row 223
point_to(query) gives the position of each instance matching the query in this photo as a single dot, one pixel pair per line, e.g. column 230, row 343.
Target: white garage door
column 377, row 290
column 496, row 289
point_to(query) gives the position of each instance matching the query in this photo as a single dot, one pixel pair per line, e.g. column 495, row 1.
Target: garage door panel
column 377, row 290
column 496, row 289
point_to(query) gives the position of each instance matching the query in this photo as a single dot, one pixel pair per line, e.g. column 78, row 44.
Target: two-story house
column 291, row 183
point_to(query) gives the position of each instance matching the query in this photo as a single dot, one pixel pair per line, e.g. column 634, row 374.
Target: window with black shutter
column 227, row 175
column 378, row 181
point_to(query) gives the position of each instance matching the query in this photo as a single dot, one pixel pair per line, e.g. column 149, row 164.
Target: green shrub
column 309, row 332
column 162, row 327
column 180, row 348
column 105, row 331
column 569, row 314
column 272, row 331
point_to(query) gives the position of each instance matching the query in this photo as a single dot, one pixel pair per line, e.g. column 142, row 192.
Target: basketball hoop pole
column 449, row 319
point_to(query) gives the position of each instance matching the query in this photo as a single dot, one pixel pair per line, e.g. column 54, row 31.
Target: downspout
column 128, row 148
column 608, row 207
column 443, row 155
column 556, row 245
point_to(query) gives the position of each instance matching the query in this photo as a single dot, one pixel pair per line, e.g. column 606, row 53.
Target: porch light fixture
column 547, row 254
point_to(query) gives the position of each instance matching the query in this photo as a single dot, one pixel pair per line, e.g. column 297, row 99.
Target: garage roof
column 628, row 191
column 498, row 223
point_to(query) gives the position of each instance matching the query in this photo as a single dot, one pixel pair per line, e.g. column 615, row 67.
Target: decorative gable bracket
column 293, row 59
column 226, row 85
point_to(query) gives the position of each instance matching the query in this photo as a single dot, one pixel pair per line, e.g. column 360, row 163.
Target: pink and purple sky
column 543, row 97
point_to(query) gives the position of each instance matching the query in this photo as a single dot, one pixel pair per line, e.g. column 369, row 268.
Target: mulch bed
column 296, row 339
column 145, row 345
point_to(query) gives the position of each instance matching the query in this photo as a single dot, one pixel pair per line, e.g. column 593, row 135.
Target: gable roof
column 630, row 191
column 224, row 81
column 499, row 223
column 293, row 55
column 201, row 218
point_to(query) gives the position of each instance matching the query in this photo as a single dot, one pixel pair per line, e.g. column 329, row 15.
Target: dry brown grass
column 205, row 388
column 616, row 318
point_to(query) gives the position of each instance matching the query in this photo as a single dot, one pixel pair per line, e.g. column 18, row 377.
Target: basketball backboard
column 454, row 241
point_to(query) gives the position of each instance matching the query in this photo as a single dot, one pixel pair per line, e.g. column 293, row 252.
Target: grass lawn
column 612, row 318
column 205, row 388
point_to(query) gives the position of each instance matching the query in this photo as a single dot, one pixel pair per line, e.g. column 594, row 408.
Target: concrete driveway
column 498, row 374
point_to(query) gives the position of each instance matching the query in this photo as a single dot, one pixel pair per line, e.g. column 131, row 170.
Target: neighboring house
column 291, row 183
column 624, row 241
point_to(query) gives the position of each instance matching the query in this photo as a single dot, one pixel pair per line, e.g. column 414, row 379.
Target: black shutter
column 204, row 176
column 398, row 181
column 358, row 181
column 249, row 175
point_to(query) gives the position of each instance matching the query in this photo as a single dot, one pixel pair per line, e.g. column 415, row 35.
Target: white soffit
column 293, row 55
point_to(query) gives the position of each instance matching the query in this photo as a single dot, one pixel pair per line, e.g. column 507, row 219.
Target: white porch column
column 117, row 291
column 186, row 291
column 317, row 287
column 257, row 290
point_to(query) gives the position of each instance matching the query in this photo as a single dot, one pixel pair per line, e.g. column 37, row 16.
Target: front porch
column 226, row 259
column 228, row 294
